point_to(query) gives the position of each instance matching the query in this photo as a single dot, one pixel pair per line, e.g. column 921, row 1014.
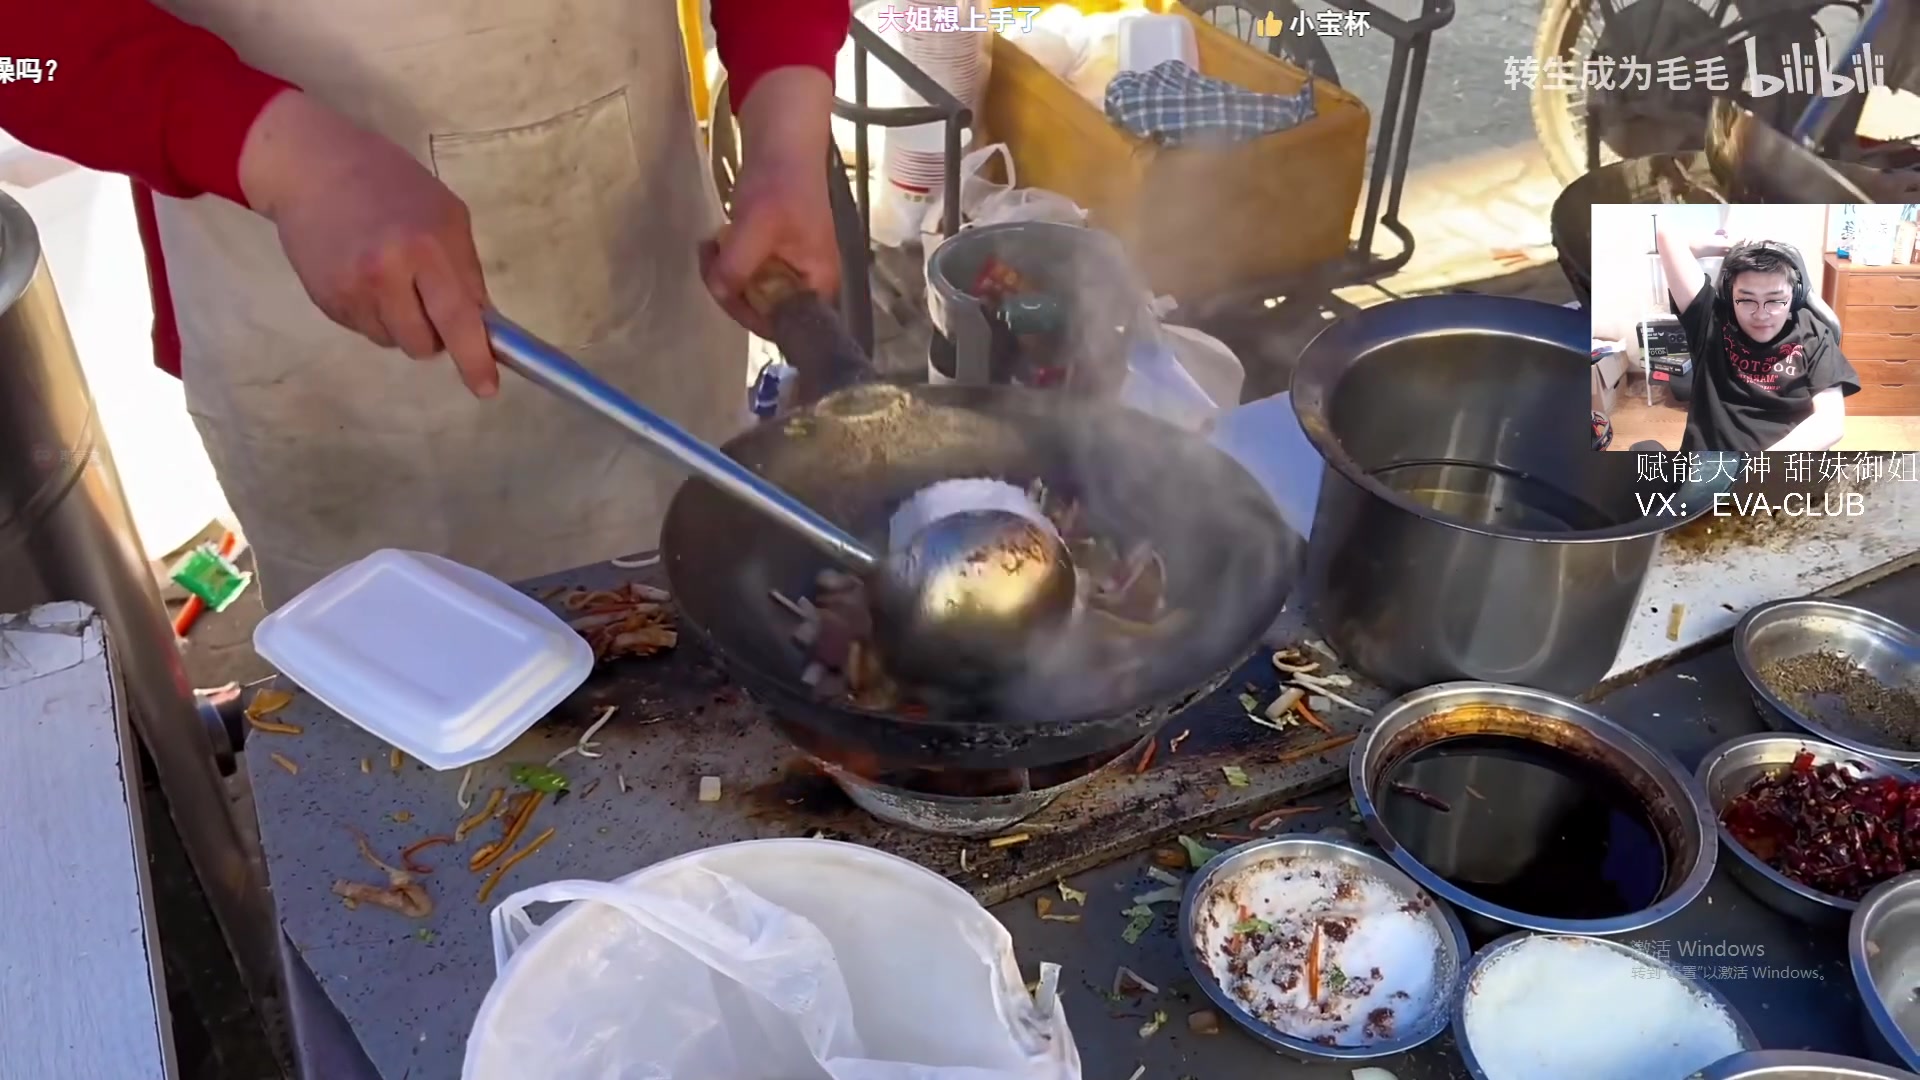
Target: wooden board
column 79, row 970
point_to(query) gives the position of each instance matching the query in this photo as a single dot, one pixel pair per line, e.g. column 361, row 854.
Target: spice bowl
column 1541, row 1005
column 1783, row 630
column 1293, row 909
column 1795, row 1065
column 1494, row 826
column 1729, row 769
column 1883, row 948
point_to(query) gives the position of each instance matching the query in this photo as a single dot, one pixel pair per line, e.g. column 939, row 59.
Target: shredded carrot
column 286, row 763
column 1146, row 759
column 406, row 857
column 1231, row 837
column 1268, row 821
column 1313, row 966
column 1317, row 748
column 490, row 854
column 479, row 819
column 493, row 879
column 1307, row 715
column 273, row 727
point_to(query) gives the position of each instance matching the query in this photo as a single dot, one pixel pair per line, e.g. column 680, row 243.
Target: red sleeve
column 757, row 36
column 133, row 90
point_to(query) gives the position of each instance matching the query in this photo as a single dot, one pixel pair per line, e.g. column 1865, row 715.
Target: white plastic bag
column 765, row 960
column 985, row 201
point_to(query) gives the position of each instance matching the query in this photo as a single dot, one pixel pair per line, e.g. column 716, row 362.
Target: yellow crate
column 1196, row 220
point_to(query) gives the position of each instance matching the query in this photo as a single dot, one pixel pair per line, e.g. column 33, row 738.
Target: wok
column 867, row 445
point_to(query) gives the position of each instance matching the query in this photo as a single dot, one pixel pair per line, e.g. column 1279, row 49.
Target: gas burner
column 1013, row 798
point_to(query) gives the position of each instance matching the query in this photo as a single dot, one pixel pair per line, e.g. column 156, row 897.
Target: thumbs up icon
column 1269, row 27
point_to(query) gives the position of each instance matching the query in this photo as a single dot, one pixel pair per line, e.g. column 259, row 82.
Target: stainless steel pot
column 1466, row 529
column 1674, row 801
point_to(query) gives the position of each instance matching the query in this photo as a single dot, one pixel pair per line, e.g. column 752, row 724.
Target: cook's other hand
column 780, row 206
column 381, row 245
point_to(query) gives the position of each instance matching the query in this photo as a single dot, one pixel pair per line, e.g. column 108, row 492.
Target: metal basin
column 1787, row 628
column 1883, row 946
column 1483, row 961
column 1466, row 529
column 1795, row 1065
column 1672, row 800
column 1729, row 769
column 1448, row 961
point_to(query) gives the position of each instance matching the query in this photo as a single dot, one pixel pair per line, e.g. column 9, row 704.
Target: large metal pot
column 1466, row 529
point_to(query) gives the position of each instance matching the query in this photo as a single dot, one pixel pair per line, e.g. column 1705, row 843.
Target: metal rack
column 942, row 108
column 1393, row 142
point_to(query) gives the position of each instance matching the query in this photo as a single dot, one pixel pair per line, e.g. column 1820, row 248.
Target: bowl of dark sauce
column 1524, row 809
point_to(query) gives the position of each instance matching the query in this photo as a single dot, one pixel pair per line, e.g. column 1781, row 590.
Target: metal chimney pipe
column 66, row 533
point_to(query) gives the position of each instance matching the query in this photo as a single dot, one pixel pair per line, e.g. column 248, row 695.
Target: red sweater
column 138, row 91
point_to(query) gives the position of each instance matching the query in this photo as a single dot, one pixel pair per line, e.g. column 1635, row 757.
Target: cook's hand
column 383, row 248
column 780, row 204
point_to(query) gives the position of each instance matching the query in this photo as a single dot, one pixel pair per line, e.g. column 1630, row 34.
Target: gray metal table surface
column 408, row 997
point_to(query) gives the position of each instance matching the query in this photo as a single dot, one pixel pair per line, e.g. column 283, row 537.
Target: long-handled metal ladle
column 963, row 600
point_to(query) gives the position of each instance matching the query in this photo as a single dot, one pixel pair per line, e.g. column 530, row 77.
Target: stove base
column 951, row 815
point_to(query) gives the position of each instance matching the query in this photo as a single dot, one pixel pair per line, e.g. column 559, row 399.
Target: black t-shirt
column 1747, row 394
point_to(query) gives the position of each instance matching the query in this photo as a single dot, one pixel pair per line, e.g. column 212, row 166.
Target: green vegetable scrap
column 1236, row 776
column 1069, row 894
column 539, row 778
column 1147, row 1029
column 1250, row 703
column 1336, row 979
column 1252, row 926
column 424, row 934
column 1198, row 854
column 1139, row 919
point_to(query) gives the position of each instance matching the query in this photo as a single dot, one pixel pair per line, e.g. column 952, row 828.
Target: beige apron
column 565, row 126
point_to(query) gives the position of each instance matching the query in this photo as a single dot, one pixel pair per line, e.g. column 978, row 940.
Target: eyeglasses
column 1774, row 307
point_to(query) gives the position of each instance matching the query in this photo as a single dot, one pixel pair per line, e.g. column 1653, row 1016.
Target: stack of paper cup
column 954, row 52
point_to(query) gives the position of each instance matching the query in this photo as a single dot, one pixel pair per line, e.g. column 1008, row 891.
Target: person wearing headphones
column 1768, row 373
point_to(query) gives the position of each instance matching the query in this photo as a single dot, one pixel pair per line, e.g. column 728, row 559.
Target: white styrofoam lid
column 438, row 659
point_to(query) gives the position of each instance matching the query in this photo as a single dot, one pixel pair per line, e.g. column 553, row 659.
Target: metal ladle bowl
column 960, row 604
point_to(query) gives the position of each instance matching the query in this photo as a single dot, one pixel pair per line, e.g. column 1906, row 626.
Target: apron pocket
column 552, row 204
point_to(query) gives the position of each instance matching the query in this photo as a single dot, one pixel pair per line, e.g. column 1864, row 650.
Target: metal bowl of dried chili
column 1835, row 671
column 1811, row 826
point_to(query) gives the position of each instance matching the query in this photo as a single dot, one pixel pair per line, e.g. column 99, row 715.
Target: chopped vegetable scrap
column 286, row 763
column 709, row 789
column 1128, row 981
column 1236, row 776
column 489, row 854
column 402, row 893
column 479, row 819
column 1069, row 894
column 539, row 778
column 631, row 620
column 1139, row 918
column 1153, row 1025
column 265, row 703
column 1198, row 854
column 1204, row 1022
column 1165, row 877
column 1123, row 605
column 406, row 857
column 1009, row 840
column 1043, row 907
column 395, row 759
column 1827, row 828
column 493, row 880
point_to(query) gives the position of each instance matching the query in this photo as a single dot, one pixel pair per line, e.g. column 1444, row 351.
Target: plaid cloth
column 1175, row 105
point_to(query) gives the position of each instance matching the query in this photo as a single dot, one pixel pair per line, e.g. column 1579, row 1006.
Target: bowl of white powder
column 1320, row 949
column 1584, row 1008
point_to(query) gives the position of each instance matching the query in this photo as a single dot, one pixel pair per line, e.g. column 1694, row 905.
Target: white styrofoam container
column 438, row 659
column 1147, row 41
